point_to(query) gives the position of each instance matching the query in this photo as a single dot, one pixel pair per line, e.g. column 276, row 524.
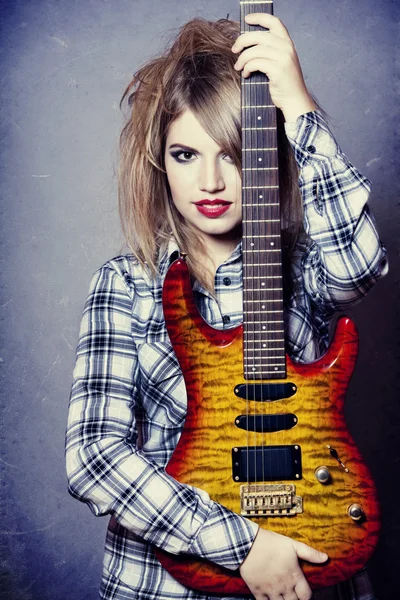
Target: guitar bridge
column 270, row 500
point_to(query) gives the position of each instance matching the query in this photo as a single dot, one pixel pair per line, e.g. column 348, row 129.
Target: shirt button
column 226, row 319
column 311, row 149
column 227, row 280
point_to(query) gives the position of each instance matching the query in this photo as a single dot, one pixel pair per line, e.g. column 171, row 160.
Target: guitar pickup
column 265, row 392
column 266, row 423
column 266, row 463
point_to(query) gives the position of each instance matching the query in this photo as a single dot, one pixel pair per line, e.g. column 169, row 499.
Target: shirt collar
column 171, row 253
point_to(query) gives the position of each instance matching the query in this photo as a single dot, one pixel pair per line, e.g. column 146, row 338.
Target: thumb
column 309, row 554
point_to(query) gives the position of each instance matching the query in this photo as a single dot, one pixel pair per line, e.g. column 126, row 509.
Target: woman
column 180, row 189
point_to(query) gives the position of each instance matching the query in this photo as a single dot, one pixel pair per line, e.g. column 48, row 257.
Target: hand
column 271, row 569
column 273, row 53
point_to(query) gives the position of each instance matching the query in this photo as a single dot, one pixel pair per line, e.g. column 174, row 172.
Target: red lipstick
column 212, row 208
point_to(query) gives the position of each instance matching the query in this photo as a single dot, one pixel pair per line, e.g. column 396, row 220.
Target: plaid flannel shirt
column 128, row 399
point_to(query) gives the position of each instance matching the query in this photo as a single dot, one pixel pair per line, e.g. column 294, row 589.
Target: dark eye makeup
column 185, row 156
column 182, row 156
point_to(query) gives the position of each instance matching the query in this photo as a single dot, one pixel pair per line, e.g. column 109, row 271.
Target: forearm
column 345, row 256
column 112, row 477
column 105, row 467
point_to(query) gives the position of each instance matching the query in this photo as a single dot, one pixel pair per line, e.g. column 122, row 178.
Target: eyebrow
column 182, row 147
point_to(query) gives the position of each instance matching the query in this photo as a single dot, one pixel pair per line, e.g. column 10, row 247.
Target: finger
column 290, row 595
column 310, row 554
column 257, row 52
column 270, row 22
column 303, row 590
column 262, row 65
column 253, row 38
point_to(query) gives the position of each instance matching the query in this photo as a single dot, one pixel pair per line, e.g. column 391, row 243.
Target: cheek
column 182, row 181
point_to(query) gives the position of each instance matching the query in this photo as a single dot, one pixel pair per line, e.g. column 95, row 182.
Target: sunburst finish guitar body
column 264, row 436
column 340, row 513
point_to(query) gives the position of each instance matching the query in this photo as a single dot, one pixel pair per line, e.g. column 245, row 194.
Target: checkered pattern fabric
column 128, row 399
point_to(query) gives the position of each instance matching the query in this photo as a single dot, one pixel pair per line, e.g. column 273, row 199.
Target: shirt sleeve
column 106, row 469
column 345, row 256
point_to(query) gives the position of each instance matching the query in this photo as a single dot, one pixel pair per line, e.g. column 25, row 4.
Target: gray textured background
column 64, row 66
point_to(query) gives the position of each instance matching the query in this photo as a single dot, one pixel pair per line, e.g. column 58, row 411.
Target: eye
column 228, row 158
column 183, row 156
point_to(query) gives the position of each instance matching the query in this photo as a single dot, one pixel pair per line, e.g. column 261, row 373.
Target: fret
column 262, row 235
column 247, row 106
column 259, row 187
column 259, row 204
column 258, row 128
column 264, row 250
column 263, row 221
column 256, row 2
column 263, row 375
column 275, row 364
column 269, row 341
column 247, row 301
column 255, row 82
column 260, row 169
column 261, row 276
column 276, row 321
column 271, row 311
column 253, row 360
column 277, row 264
column 265, row 290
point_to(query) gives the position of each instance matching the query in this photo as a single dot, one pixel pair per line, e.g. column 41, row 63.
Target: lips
column 212, row 208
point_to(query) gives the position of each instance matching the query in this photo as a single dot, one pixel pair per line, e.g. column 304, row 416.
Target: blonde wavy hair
column 195, row 73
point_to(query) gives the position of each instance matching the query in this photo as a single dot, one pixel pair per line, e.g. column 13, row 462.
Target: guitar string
column 260, row 177
column 256, row 97
column 245, row 257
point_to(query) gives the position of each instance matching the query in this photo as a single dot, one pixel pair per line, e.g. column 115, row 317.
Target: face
column 205, row 183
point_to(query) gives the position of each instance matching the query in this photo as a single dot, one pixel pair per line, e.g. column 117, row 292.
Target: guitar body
column 211, row 362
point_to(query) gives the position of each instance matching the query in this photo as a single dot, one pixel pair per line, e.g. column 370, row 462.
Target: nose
column 211, row 177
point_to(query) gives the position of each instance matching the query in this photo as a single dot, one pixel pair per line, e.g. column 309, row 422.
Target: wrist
column 298, row 107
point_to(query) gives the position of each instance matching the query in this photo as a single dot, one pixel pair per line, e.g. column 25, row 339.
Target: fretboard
column 264, row 346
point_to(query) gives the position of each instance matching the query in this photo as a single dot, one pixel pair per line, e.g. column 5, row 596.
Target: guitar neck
column 263, row 328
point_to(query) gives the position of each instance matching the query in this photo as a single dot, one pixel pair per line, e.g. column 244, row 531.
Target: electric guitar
column 264, row 436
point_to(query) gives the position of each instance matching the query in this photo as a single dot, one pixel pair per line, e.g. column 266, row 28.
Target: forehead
column 187, row 130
